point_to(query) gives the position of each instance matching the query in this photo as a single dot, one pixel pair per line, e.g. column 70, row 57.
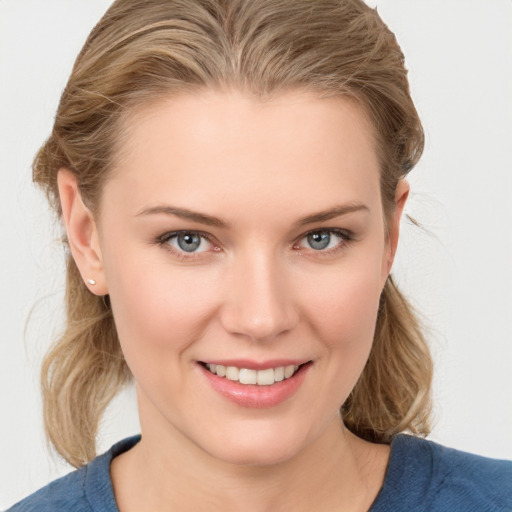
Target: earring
column 92, row 282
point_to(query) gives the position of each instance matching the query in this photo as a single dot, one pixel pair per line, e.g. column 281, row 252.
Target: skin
column 256, row 289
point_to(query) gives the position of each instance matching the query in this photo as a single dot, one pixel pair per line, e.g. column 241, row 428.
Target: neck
column 165, row 472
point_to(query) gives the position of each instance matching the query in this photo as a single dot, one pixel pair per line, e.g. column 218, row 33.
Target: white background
column 458, row 271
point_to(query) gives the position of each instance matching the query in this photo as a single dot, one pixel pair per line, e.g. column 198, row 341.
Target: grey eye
column 323, row 239
column 188, row 242
column 184, row 243
column 319, row 240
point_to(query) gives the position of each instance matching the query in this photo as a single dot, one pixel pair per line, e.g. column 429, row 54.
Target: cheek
column 345, row 304
column 347, row 330
column 342, row 314
column 158, row 309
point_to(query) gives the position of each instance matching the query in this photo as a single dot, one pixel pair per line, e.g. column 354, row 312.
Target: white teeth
column 260, row 377
column 279, row 374
column 266, row 377
column 248, row 376
column 288, row 371
column 232, row 373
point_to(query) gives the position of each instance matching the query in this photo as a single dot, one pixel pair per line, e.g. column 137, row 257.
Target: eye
column 322, row 240
column 187, row 241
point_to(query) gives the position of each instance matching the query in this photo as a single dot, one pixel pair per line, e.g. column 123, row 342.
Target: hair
column 145, row 50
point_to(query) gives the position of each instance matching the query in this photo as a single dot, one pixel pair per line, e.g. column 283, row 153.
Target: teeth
column 266, row 377
column 248, row 376
column 288, row 371
column 232, row 373
column 260, row 377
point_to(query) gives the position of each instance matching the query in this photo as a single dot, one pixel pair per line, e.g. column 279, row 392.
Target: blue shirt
column 421, row 476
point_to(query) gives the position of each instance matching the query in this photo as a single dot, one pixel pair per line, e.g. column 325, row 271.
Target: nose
column 259, row 302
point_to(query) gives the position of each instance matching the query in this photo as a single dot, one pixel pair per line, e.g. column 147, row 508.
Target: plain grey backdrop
column 457, row 270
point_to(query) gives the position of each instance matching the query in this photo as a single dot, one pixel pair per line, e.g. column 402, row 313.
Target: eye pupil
column 188, row 242
column 319, row 240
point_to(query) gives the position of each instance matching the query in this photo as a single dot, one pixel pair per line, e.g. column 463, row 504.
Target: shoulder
column 66, row 493
column 428, row 476
column 459, row 478
column 88, row 489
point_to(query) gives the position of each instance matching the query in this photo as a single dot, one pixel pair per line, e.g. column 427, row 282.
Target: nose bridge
column 260, row 304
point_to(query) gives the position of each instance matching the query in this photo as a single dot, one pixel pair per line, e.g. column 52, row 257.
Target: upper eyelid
column 326, row 230
column 170, row 234
column 345, row 233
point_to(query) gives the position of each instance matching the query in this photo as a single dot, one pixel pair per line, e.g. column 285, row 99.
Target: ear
column 401, row 195
column 82, row 233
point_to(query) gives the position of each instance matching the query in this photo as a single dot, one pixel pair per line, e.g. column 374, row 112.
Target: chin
column 256, row 448
column 255, row 456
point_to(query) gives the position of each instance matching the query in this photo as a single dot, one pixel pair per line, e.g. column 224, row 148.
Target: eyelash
column 345, row 236
column 164, row 240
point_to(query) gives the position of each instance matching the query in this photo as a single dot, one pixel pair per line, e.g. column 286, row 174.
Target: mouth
column 255, row 385
column 248, row 376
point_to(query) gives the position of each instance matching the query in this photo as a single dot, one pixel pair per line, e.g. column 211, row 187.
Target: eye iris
column 188, row 242
column 319, row 240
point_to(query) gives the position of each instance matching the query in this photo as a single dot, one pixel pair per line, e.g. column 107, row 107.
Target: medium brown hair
column 145, row 50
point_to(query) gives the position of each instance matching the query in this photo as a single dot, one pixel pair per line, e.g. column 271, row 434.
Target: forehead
column 193, row 146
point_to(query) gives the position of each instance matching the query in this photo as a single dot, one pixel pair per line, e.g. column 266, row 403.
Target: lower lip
column 253, row 396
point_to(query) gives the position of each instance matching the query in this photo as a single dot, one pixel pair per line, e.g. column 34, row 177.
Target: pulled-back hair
column 145, row 50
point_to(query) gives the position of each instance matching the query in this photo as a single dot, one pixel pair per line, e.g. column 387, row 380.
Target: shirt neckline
column 99, row 490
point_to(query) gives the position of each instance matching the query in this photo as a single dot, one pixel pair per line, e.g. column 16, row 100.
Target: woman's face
column 248, row 235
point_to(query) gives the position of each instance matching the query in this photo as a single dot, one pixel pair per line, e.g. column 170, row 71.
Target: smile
column 265, row 377
column 256, row 385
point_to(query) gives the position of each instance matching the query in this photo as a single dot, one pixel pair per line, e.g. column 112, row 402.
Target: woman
column 231, row 179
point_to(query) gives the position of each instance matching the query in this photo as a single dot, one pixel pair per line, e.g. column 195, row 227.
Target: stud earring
column 92, row 282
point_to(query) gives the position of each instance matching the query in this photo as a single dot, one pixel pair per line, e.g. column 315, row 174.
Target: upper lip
column 257, row 365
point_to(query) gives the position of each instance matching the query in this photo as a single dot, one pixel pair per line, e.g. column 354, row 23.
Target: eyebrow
column 331, row 213
column 201, row 218
column 210, row 220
